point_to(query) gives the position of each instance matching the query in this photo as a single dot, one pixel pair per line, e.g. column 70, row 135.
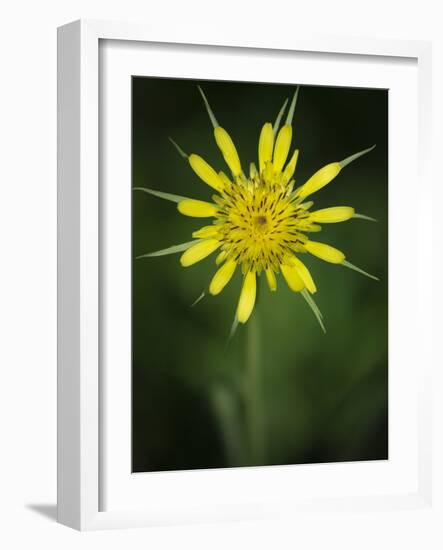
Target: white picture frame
column 82, row 440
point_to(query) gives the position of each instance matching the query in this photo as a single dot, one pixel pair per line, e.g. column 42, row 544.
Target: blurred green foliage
column 324, row 397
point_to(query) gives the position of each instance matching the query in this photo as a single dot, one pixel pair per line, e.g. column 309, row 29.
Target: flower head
column 261, row 223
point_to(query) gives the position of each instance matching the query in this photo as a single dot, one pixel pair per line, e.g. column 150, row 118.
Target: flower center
column 259, row 225
column 261, row 220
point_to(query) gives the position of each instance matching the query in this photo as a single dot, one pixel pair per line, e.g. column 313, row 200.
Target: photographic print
column 259, row 274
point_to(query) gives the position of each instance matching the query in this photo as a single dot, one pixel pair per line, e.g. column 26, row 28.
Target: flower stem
column 253, row 390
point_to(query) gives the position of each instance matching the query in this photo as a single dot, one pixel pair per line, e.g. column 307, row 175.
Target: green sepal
column 161, row 195
column 292, row 107
column 208, row 108
column 315, row 310
column 170, row 250
column 279, row 117
column 197, row 300
column 355, row 156
column 355, row 268
column 179, row 149
column 363, row 217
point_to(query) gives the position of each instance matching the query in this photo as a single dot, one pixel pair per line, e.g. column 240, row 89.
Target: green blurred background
column 324, row 397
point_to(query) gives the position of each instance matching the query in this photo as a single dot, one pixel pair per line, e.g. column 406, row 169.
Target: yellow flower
column 261, row 223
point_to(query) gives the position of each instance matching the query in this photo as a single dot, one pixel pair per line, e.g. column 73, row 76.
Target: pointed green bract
column 161, row 195
column 311, row 301
column 363, row 217
column 279, row 117
column 233, row 329
column 170, row 250
column 208, row 108
column 179, row 149
column 197, row 300
column 355, row 268
column 292, row 107
column 315, row 310
column 355, row 156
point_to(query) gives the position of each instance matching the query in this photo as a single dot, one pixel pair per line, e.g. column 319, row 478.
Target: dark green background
column 325, row 397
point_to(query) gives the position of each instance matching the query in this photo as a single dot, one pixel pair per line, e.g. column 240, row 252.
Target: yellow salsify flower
column 261, row 223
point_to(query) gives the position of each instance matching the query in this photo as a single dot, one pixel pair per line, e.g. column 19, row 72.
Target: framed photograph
column 244, row 300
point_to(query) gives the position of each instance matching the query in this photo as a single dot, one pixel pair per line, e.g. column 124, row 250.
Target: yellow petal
column 268, row 172
column 206, row 232
column 305, row 274
column 312, row 228
column 205, row 172
column 252, row 171
column 282, row 145
column 334, row 214
column 226, row 181
column 199, row 251
column 272, row 281
column 227, row 147
column 321, row 178
column 265, row 145
column 324, row 252
column 221, row 257
column 197, row 209
column 222, row 277
column 290, row 167
column 292, row 277
column 306, row 205
column 247, row 297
